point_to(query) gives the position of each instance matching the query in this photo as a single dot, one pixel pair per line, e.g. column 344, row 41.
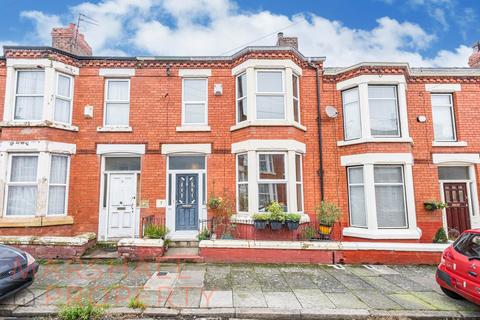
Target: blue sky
column 421, row 32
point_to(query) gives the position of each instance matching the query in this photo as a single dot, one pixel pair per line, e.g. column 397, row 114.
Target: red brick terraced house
column 97, row 144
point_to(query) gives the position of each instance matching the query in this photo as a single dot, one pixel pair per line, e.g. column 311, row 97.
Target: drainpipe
column 318, row 74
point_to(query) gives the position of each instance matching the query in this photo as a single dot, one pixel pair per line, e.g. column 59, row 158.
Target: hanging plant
column 432, row 205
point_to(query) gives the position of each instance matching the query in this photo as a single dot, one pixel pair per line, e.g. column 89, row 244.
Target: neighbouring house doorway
column 120, row 195
column 457, row 212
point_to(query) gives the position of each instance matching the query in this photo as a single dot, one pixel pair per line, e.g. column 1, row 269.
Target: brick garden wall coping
column 128, row 242
column 79, row 240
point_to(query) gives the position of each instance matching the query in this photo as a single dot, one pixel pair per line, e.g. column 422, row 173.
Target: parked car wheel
column 452, row 294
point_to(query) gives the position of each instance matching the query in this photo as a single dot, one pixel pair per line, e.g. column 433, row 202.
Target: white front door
column 121, row 205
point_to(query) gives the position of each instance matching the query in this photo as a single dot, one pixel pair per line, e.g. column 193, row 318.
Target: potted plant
column 215, row 202
column 292, row 220
column 204, row 234
column 277, row 215
column 328, row 214
column 260, row 220
column 432, row 205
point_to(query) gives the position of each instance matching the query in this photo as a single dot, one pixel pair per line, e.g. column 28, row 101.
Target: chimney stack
column 286, row 41
column 71, row 40
column 474, row 60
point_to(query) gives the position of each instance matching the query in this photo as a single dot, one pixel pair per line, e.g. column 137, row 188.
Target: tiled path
column 291, row 287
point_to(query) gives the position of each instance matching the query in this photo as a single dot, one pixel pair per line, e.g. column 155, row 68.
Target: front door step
column 183, row 255
column 183, row 244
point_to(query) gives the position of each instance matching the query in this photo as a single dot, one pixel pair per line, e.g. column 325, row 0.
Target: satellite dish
column 331, row 112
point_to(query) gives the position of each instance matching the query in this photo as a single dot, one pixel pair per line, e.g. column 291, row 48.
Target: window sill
column 114, row 129
column 186, row 128
column 13, row 222
column 38, row 124
column 268, row 123
column 374, row 140
column 246, row 218
column 449, row 144
column 403, row 234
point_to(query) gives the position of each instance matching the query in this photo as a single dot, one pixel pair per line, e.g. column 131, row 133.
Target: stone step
column 181, row 252
column 183, row 244
column 101, row 254
column 182, row 258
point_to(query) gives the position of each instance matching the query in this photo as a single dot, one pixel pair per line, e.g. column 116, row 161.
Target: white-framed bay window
column 63, row 99
column 39, row 92
column 36, row 178
column 374, row 109
column 266, row 174
column 117, row 102
column 267, row 93
column 380, row 196
column 194, row 101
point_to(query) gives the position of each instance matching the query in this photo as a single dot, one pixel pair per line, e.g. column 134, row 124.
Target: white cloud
column 188, row 27
column 43, row 23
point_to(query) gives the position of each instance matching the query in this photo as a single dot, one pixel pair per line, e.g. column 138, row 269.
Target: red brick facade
column 156, row 112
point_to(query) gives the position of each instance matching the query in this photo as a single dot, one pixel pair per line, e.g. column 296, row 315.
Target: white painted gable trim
column 268, row 145
column 121, row 148
column 37, row 146
column 267, row 64
column 376, row 158
column 116, row 72
column 456, row 157
column 43, row 63
column 195, row 72
column 443, row 87
column 205, row 148
column 371, row 79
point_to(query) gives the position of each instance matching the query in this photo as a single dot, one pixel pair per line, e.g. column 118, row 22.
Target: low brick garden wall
column 52, row 247
column 140, row 249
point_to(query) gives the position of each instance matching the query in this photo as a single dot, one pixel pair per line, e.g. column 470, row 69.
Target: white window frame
column 399, row 127
column 297, row 98
column 452, row 118
column 238, row 98
column 16, row 95
column 362, row 82
column 271, row 94
column 241, row 182
column 349, row 184
column 344, row 119
column 66, row 185
column 69, row 99
column 205, row 103
column 299, row 182
column 375, row 184
column 273, row 181
column 106, row 101
column 10, row 183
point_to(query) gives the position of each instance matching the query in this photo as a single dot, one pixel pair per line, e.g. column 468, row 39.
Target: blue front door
column 186, row 206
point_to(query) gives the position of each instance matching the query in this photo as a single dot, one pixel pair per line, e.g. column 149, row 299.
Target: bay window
column 299, row 182
column 390, row 196
column 242, row 185
column 29, row 93
column 356, row 197
column 443, row 117
column 194, row 110
column 296, row 98
column 63, row 99
column 22, row 185
column 117, row 102
column 351, row 114
column 270, row 95
column 272, row 180
column 57, row 192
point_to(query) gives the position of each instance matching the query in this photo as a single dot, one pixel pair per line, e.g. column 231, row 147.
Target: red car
column 458, row 273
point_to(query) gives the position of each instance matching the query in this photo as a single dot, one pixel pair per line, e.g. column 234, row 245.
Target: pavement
column 241, row 290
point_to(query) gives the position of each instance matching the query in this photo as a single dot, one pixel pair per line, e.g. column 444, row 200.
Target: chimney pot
column 283, row 41
column 69, row 39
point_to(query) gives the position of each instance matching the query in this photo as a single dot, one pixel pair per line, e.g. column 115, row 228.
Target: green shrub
column 294, row 217
column 308, row 233
column 440, row 236
column 327, row 213
column 81, row 311
column 204, row 234
column 135, row 303
column 263, row 216
column 156, row 231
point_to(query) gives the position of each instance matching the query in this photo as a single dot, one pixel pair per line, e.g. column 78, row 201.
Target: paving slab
column 282, row 300
column 271, row 279
column 244, row 279
column 154, row 298
column 119, row 296
column 410, row 302
column 249, row 299
column 326, row 282
column 160, row 280
column 160, row 312
column 349, row 280
column 216, row 299
column 23, row 298
column 90, row 294
column 383, row 285
column 299, row 280
column 442, row 302
column 35, row 311
column 7, row 309
column 313, row 298
column 184, row 298
column 376, row 300
column 268, row 313
column 346, row 301
column 192, row 279
column 56, row 296
column 420, row 314
column 218, row 280
column 404, row 282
